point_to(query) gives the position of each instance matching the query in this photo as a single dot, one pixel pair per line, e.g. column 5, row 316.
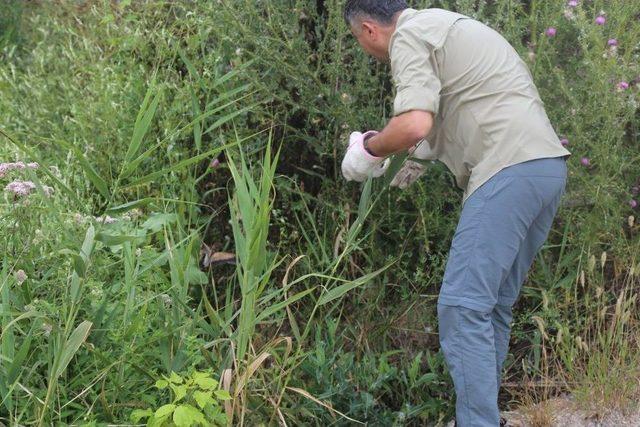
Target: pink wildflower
column 20, row 188
column 564, row 142
column 214, row 163
column 106, row 219
column 550, row 32
column 600, row 20
column 5, row 167
column 568, row 13
column 633, row 203
column 585, row 161
column 623, row 86
column 572, row 3
column 20, row 276
column 612, row 42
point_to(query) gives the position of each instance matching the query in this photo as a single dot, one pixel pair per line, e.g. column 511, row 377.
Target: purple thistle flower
column 633, row 203
column 564, row 142
column 550, row 32
column 585, row 161
column 612, row 42
column 572, row 3
column 600, row 20
column 623, row 85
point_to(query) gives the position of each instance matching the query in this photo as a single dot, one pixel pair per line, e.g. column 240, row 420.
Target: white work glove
column 410, row 170
column 357, row 164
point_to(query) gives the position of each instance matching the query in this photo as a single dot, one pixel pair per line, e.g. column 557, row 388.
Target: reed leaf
column 71, row 346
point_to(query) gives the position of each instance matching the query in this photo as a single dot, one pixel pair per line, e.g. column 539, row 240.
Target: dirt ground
column 564, row 412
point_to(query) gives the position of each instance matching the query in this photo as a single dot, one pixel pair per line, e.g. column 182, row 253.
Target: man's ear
column 369, row 28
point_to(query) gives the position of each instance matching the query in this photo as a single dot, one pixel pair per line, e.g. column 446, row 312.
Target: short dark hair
column 382, row 11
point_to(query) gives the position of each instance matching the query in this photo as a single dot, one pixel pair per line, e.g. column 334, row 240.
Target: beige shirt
column 487, row 111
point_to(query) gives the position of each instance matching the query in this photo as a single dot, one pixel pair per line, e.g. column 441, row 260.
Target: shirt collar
column 402, row 18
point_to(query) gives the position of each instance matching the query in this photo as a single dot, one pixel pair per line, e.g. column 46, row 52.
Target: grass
column 157, row 129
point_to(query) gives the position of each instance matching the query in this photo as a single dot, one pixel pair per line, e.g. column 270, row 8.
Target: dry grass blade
column 251, row 369
column 321, row 403
column 285, row 279
column 279, row 412
column 278, row 340
column 227, row 376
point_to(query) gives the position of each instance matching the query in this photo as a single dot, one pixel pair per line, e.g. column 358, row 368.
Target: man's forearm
column 401, row 133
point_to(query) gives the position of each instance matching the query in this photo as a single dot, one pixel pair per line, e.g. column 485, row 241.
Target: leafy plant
column 196, row 401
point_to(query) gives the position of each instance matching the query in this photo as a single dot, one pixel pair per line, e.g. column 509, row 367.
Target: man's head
column 372, row 23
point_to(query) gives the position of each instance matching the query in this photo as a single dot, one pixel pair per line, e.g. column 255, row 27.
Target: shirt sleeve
column 417, row 85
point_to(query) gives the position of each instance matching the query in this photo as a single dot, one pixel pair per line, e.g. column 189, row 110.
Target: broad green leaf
column 175, row 378
column 162, row 384
column 139, row 414
column 200, row 374
column 165, row 410
column 77, row 337
column 202, row 398
column 187, row 415
column 206, row 383
column 222, row 394
column 180, row 391
column 154, row 421
column 220, row 418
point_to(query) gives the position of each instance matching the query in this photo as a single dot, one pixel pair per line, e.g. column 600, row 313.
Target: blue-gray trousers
column 502, row 226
